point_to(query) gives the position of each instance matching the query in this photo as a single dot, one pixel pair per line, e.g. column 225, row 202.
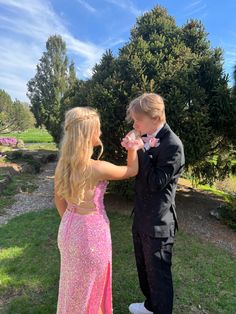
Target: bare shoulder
column 97, row 165
column 98, row 168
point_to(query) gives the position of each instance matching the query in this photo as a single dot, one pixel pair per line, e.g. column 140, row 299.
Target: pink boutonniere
column 150, row 142
column 154, row 142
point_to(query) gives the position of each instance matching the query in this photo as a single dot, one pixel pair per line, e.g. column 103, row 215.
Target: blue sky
column 89, row 27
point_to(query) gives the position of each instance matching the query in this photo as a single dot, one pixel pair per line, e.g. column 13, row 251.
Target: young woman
column 84, row 237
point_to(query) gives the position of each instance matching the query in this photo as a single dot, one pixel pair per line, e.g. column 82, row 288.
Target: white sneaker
column 138, row 308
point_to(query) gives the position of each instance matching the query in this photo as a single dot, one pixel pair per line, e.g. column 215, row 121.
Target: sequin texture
column 84, row 242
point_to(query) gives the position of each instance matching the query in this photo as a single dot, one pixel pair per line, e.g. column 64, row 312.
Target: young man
column 160, row 164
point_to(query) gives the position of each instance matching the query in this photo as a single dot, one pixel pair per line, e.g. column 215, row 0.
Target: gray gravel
column 39, row 199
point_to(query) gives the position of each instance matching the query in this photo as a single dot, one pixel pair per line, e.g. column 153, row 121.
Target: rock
column 52, row 157
column 4, row 182
column 216, row 213
column 20, row 144
column 11, row 168
column 26, row 167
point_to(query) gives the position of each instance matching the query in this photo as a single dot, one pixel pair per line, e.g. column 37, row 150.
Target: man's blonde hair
column 73, row 170
column 150, row 104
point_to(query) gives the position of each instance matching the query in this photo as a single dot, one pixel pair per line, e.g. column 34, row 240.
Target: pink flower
column 130, row 142
column 8, row 141
column 153, row 142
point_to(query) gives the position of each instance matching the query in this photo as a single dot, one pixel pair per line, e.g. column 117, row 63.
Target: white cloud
column 193, row 4
column 87, row 6
column 126, row 5
column 24, row 28
column 195, row 8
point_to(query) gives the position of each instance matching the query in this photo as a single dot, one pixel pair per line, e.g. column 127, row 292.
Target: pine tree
column 14, row 116
column 179, row 64
column 47, row 89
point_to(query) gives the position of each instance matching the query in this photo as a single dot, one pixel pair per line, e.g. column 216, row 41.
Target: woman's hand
column 132, row 141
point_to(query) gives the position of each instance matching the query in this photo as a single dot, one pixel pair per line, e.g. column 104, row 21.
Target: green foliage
column 47, row 89
column 179, row 64
column 175, row 62
column 20, row 183
column 234, row 87
column 232, row 121
column 24, row 182
column 228, row 211
column 14, row 116
column 32, row 136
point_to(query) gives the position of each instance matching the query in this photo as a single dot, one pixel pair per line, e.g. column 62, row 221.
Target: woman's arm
column 60, row 203
column 109, row 171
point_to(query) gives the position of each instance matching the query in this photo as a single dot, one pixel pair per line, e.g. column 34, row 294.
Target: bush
column 8, row 141
column 228, row 211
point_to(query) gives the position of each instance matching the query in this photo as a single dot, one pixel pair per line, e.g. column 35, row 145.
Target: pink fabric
column 84, row 242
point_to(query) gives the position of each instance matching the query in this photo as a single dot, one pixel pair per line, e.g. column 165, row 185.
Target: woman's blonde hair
column 73, row 172
column 150, row 104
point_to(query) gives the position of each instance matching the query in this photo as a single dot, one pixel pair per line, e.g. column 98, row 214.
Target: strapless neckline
column 97, row 200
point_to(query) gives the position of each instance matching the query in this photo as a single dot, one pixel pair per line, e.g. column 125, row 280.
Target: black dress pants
column 153, row 260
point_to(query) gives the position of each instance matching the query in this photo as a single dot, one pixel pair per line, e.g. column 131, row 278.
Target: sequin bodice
column 97, row 200
column 84, row 241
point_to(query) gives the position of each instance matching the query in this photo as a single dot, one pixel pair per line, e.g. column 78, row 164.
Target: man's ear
column 157, row 119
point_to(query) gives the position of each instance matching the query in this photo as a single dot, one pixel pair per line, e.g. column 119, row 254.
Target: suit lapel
column 163, row 131
column 154, row 150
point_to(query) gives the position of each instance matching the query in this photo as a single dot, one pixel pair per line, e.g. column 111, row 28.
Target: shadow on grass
column 30, row 277
column 204, row 277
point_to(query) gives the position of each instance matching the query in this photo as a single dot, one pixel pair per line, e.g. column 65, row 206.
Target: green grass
column 32, row 136
column 5, row 201
column 24, row 182
column 228, row 211
column 204, row 276
column 41, row 146
column 213, row 190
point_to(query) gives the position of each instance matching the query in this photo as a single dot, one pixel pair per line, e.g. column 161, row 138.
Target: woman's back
column 92, row 202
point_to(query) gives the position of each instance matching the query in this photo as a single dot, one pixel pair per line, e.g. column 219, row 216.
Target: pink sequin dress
column 84, row 242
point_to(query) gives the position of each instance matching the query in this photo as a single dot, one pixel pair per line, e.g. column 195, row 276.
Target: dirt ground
column 193, row 209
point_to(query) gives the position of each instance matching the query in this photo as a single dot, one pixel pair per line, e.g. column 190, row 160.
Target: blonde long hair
column 73, row 172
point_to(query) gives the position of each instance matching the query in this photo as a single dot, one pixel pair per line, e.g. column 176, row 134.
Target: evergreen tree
column 179, row 64
column 14, row 116
column 47, row 89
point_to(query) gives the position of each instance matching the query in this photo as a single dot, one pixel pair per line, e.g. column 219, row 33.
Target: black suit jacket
column 155, row 185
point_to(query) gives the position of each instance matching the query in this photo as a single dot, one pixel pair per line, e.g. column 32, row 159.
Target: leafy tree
column 47, row 89
column 7, row 120
column 24, row 115
column 234, row 87
column 231, row 129
column 179, row 64
column 14, row 116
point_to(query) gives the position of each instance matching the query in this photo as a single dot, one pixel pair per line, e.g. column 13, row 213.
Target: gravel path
column 39, row 199
column 193, row 208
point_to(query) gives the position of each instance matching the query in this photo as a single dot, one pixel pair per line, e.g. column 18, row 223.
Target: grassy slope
column 204, row 276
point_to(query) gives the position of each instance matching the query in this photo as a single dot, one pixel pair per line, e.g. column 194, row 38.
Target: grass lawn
column 204, row 276
column 32, row 136
column 41, row 146
column 24, row 182
column 34, row 139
